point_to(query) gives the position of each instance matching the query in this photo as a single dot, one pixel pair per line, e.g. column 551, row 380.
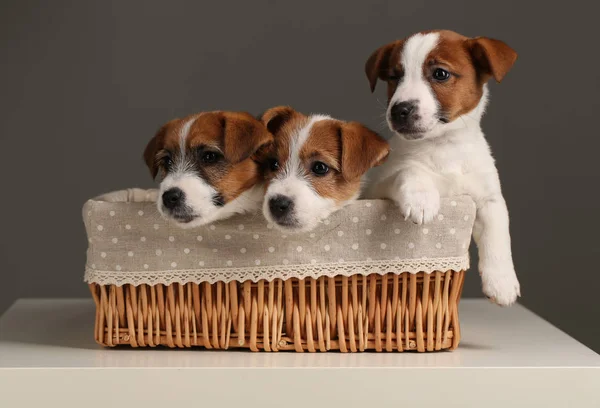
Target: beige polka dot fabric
column 129, row 243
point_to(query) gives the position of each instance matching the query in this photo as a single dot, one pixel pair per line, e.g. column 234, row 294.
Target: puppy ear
column 362, row 149
column 155, row 144
column 276, row 117
column 378, row 64
column 491, row 57
column 243, row 136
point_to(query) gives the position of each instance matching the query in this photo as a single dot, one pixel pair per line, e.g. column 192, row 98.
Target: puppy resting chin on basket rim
column 207, row 168
column 437, row 94
column 314, row 167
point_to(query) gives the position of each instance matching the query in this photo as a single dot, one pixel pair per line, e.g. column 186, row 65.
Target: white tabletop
column 499, row 346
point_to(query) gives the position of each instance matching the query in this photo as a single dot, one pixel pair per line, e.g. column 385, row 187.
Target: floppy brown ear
column 243, row 136
column 276, row 117
column 378, row 64
column 491, row 57
column 362, row 149
column 154, row 145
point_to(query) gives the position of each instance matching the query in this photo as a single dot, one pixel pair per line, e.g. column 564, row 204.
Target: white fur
column 452, row 159
column 413, row 86
column 199, row 194
column 309, row 207
column 184, row 131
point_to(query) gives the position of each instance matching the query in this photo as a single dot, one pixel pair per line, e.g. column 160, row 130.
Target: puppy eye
column 210, row 157
column 167, row 163
column 320, row 168
column 395, row 76
column 273, row 164
column 441, row 75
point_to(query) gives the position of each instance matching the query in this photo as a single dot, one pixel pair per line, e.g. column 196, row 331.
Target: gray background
column 84, row 85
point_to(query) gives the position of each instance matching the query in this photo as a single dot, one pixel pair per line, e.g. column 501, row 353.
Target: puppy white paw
column 419, row 205
column 500, row 283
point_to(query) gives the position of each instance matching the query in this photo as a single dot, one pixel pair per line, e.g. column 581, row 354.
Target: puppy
column 314, row 167
column 206, row 165
column 437, row 94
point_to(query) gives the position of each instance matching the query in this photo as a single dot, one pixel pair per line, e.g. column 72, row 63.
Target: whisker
column 383, row 125
column 381, row 104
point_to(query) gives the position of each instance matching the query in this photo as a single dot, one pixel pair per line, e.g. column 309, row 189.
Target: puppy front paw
column 419, row 205
column 500, row 283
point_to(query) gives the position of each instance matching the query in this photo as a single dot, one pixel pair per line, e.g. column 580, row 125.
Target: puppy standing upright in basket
column 207, row 169
column 315, row 166
column 437, row 94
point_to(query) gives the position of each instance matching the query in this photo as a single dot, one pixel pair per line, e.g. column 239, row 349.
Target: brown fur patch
column 152, row 152
column 462, row 92
column 237, row 179
column 284, row 123
column 384, row 64
column 324, row 144
column 233, row 136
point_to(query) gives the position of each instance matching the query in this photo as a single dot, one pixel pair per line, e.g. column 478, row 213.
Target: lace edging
column 269, row 273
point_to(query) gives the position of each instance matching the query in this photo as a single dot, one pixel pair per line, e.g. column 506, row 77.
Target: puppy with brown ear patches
column 315, row 166
column 205, row 161
column 437, row 93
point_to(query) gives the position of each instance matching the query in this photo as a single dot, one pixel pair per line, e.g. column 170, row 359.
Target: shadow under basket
column 357, row 313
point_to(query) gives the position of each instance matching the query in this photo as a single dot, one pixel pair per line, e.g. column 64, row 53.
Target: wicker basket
column 395, row 308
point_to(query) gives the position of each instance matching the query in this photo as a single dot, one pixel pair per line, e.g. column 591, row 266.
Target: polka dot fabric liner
column 129, row 243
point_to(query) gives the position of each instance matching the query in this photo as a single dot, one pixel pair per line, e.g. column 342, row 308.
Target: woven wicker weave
column 383, row 313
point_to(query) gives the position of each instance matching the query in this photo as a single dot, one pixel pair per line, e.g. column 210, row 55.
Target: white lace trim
column 427, row 265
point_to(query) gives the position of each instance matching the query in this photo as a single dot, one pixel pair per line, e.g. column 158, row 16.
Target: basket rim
column 365, row 237
column 283, row 272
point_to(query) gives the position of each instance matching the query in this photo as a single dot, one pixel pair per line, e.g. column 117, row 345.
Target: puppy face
column 436, row 77
column 314, row 166
column 205, row 164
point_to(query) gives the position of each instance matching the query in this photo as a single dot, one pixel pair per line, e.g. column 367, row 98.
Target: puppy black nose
column 402, row 113
column 280, row 206
column 172, row 198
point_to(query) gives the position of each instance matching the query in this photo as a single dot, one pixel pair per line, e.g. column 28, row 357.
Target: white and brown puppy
column 315, row 166
column 207, row 168
column 437, row 94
